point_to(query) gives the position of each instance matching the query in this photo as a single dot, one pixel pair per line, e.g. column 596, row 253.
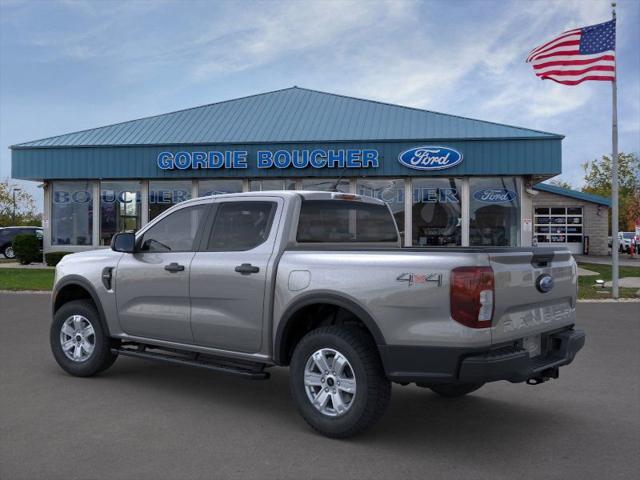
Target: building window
column 72, row 213
column 553, row 225
column 272, row 184
column 436, row 212
column 390, row 191
column 119, row 208
column 325, row 184
column 494, row 212
column 217, row 187
column 165, row 194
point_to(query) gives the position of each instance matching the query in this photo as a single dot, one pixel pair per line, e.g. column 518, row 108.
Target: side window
column 175, row 233
column 241, row 226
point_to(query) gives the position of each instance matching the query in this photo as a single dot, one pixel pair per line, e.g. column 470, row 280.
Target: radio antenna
column 337, row 184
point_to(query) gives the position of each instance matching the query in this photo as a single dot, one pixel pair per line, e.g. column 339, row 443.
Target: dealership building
column 448, row 180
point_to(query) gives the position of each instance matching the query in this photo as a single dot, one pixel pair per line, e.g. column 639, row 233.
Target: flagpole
column 614, row 176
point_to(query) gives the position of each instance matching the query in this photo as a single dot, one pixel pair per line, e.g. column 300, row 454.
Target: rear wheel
column 78, row 340
column 338, row 382
column 454, row 390
column 8, row 252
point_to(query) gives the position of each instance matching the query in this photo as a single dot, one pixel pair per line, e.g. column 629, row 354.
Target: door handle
column 174, row 267
column 247, row 269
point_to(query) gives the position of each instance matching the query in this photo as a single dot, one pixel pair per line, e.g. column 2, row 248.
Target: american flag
column 577, row 55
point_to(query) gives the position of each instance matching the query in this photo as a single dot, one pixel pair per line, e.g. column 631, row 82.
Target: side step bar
column 245, row 370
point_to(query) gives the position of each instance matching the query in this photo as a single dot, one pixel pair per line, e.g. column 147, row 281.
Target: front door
column 152, row 285
column 229, row 277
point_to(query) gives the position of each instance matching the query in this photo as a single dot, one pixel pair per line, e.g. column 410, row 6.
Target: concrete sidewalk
column 624, row 260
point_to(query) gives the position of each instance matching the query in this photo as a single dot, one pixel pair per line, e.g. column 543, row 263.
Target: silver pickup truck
column 317, row 281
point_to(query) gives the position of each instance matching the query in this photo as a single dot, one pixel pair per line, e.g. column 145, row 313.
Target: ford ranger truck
column 319, row 282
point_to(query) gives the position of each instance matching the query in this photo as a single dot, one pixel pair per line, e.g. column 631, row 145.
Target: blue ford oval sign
column 544, row 283
column 495, row 195
column 430, row 158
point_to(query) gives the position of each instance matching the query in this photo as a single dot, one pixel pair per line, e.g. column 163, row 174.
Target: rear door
column 535, row 292
column 229, row 275
column 152, row 285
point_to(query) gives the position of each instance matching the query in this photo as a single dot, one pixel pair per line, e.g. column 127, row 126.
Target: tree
column 25, row 207
column 597, row 180
column 558, row 182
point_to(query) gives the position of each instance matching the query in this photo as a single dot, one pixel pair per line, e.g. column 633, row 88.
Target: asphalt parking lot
column 149, row 420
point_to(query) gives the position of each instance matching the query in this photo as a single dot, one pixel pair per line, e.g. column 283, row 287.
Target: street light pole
column 14, row 203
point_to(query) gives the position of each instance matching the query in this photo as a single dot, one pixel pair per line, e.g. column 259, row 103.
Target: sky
column 72, row 65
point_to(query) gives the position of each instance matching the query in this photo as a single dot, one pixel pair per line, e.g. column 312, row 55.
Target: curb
column 26, row 292
column 609, row 300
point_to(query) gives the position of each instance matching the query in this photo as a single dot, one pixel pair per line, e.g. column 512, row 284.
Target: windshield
column 628, row 234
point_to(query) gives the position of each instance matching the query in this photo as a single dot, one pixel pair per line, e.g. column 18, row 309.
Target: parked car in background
column 7, row 234
column 625, row 240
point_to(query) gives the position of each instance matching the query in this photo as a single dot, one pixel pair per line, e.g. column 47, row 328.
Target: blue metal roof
column 565, row 192
column 291, row 115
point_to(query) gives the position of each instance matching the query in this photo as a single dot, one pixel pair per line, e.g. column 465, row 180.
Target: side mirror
column 124, row 242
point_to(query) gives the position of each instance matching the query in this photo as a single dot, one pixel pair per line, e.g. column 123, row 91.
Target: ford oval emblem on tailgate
column 430, row 158
column 544, row 283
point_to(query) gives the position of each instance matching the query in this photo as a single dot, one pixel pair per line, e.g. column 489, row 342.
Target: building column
column 144, row 203
column 408, row 212
column 194, row 188
column 465, row 202
column 95, row 189
column 46, row 216
column 526, row 215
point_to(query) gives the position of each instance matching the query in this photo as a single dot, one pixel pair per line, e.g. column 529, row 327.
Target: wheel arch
column 289, row 319
column 75, row 287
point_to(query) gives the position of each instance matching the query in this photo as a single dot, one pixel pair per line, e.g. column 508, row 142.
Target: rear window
column 336, row 221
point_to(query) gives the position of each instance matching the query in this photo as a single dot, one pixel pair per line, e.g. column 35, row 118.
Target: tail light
column 471, row 296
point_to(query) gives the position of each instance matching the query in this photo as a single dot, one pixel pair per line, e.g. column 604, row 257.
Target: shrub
column 52, row 258
column 27, row 248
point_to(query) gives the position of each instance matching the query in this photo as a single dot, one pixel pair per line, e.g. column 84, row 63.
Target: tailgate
column 521, row 308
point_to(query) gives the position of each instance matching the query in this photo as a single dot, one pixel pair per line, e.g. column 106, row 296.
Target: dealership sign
column 265, row 159
column 430, row 158
column 495, row 195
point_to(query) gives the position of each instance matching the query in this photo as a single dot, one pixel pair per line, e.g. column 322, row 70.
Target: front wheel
column 338, row 382
column 454, row 390
column 78, row 340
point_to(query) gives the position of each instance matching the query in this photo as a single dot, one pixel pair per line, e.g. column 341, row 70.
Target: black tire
column 373, row 390
column 8, row 252
column 100, row 359
column 453, row 390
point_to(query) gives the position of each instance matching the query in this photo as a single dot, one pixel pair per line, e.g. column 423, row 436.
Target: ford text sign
column 495, row 195
column 430, row 158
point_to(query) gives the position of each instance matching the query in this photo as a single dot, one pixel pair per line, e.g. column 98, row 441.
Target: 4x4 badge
column 420, row 278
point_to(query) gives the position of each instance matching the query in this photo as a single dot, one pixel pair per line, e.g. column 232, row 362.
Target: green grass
column 25, row 279
column 587, row 283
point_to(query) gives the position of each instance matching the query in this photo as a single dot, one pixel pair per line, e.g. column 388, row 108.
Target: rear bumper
column 429, row 365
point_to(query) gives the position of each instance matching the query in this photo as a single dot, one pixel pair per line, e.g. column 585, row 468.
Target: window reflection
column 436, row 212
column 390, row 191
column 495, row 212
column 165, row 194
column 119, row 209
column 71, row 213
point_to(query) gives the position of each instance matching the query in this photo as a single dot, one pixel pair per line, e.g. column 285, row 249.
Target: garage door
column 559, row 226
